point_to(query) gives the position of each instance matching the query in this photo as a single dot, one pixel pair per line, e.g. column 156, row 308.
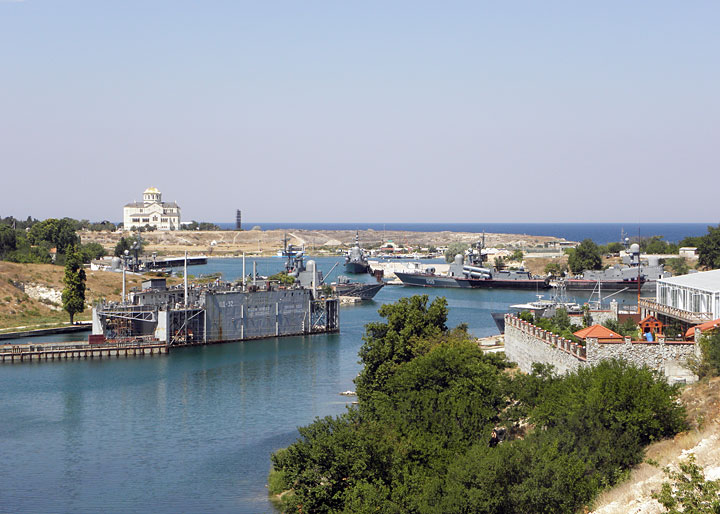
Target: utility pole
column 124, row 265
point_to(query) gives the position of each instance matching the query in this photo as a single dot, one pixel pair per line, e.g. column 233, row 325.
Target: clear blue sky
column 362, row 111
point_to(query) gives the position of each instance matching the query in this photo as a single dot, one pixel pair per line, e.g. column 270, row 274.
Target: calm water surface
column 191, row 431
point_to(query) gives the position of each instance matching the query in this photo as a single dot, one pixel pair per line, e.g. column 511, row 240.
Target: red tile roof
column 597, row 331
column 704, row 327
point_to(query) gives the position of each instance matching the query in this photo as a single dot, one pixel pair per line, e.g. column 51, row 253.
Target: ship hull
column 531, row 284
column 362, row 291
column 576, row 284
column 357, row 267
column 430, row 280
column 499, row 319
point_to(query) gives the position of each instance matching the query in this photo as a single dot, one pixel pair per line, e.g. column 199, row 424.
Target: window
column 146, row 220
column 136, row 220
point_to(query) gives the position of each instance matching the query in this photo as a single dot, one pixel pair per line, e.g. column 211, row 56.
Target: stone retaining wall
column 525, row 344
column 653, row 355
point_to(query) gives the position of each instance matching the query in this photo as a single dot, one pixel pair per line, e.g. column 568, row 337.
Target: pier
column 79, row 350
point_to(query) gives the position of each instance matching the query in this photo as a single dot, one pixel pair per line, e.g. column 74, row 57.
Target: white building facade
column 152, row 211
column 695, row 292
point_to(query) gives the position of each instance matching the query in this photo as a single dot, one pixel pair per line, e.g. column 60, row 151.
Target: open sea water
column 191, row 431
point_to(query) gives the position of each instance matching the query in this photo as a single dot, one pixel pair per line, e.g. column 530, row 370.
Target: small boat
column 541, row 307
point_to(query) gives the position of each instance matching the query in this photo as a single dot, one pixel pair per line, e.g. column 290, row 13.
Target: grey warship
column 355, row 261
column 629, row 275
column 470, row 271
column 295, row 267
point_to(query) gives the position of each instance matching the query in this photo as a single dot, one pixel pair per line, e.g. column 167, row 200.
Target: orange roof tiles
column 704, row 327
column 597, row 331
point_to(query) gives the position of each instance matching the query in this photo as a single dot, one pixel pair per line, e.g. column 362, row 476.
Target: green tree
column 555, row 269
column 410, row 328
column 8, row 239
column 709, row 249
column 614, row 247
column 58, row 233
column 454, row 249
column 678, row 266
column 585, row 256
column 91, row 251
column 73, row 295
column 125, row 243
column 691, row 242
column 517, row 255
column 283, row 278
column 656, row 244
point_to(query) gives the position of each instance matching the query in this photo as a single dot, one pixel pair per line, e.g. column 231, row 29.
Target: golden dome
column 152, row 190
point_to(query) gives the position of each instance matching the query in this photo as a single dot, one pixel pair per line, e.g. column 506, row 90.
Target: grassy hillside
column 18, row 308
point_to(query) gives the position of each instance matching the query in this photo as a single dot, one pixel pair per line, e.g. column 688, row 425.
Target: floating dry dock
column 214, row 313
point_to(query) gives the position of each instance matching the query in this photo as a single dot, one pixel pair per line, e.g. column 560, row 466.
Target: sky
column 327, row 111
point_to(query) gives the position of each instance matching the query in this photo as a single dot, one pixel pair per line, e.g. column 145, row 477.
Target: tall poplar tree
column 73, row 295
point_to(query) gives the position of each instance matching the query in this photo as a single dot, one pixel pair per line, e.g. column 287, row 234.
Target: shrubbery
column 429, row 398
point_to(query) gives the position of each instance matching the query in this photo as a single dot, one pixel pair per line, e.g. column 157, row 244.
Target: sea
column 601, row 233
column 193, row 431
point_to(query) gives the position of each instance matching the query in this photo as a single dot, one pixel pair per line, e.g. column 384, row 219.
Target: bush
column 678, row 266
column 585, row 256
column 710, row 347
column 454, row 249
column 689, row 492
column 91, row 251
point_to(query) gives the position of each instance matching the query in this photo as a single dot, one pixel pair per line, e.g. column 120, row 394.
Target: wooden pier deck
column 78, row 350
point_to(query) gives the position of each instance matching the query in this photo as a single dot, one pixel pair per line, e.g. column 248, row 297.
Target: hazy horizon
column 381, row 112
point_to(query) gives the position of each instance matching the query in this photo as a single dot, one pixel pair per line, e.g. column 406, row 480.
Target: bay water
column 191, row 431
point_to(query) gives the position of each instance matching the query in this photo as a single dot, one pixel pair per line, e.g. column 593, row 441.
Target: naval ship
column 355, row 261
column 628, row 275
column 470, row 271
column 295, row 267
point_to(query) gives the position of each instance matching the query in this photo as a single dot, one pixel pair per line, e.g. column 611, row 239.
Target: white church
column 152, row 211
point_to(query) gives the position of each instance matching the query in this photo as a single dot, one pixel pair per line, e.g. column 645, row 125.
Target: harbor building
column 152, row 211
column 691, row 299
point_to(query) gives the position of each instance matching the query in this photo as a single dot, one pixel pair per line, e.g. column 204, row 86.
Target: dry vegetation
column 20, row 309
column 702, row 402
column 234, row 243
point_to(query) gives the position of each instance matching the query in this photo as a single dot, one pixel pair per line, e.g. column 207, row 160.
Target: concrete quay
column 82, row 326
column 78, row 350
